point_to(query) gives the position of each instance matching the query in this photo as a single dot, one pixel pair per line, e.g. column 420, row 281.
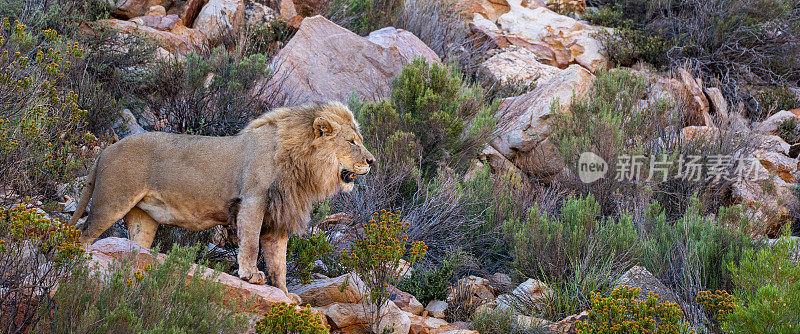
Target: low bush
column 691, row 254
column 432, row 106
column 42, row 126
column 285, row 318
column 613, row 122
column 376, row 256
column 427, row 284
column 36, row 255
column 364, row 16
column 735, row 43
column 789, row 130
column 775, row 99
column 211, row 95
column 158, row 298
column 767, row 289
column 547, row 246
column 497, row 321
column 304, row 252
column 716, row 305
column 621, row 312
column 576, row 253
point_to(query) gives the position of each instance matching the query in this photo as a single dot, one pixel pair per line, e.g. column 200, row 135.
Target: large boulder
column 179, row 40
column 516, row 65
column 347, row 288
column 556, row 39
column 133, row 8
column 479, row 287
column 770, row 125
column 404, row 42
column 523, row 127
column 491, row 9
column 349, row 315
column 405, row 301
column 222, row 18
column 326, row 62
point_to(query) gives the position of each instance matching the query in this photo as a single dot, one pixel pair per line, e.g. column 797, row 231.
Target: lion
column 264, row 179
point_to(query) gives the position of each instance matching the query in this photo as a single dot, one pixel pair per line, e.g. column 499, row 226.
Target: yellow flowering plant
column 37, row 254
column 284, row 318
column 621, row 312
column 376, row 258
column 42, row 126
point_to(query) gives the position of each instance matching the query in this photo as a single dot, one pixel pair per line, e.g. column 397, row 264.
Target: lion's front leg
column 248, row 227
column 273, row 247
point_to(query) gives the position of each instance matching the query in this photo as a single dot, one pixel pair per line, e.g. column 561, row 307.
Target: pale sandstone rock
column 491, row 9
column 347, row 315
column 436, row 308
column 480, row 287
column 180, row 40
column 556, row 39
column 517, row 65
column 404, row 42
column 156, row 10
column 770, row 125
column 347, row 288
column 215, row 20
column 523, row 122
column 487, row 33
column 406, row 301
column 133, row 8
column 326, row 62
column 778, row 164
column 699, row 107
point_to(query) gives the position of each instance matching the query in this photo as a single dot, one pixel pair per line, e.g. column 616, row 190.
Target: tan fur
column 266, row 179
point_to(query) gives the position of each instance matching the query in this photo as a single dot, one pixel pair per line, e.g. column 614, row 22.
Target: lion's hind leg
column 141, row 227
column 107, row 209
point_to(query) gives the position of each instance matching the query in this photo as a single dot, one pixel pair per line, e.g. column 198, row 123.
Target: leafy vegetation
column 285, row 318
column 766, row 288
column 376, row 259
column 37, row 254
column 158, row 297
column 621, row 312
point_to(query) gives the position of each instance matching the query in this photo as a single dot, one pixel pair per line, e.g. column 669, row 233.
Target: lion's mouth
column 348, row 176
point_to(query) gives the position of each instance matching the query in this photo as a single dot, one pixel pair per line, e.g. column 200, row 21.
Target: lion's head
column 336, row 131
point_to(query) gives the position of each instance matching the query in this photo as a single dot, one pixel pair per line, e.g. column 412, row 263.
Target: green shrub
column 42, row 126
column 613, row 122
column 211, row 95
column 576, row 253
column 732, row 42
column 545, row 245
column 692, row 254
column 364, row 16
column 772, row 100
column 789, row 130
column 157, row 299
column 303, row 252
column 37, row 254
column 621, row 312
column 767, row 287
column 266, row 39
column 376, row 256
column 427, row 284
column 627, row 46
column 498, row 321
column 285, row 318
column 432, row 106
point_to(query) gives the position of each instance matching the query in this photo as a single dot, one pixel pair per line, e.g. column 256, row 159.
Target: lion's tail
column 86, row 195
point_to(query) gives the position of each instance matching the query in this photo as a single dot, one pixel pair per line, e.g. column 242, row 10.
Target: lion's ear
column 322, row 127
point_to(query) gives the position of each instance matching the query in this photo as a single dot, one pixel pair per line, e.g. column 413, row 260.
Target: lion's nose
column 370, row 161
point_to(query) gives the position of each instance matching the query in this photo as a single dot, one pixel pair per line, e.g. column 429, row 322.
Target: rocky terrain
column 480, row 112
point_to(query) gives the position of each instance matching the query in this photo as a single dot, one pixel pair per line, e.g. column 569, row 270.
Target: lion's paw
column 295, row 298
column 257, row 277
